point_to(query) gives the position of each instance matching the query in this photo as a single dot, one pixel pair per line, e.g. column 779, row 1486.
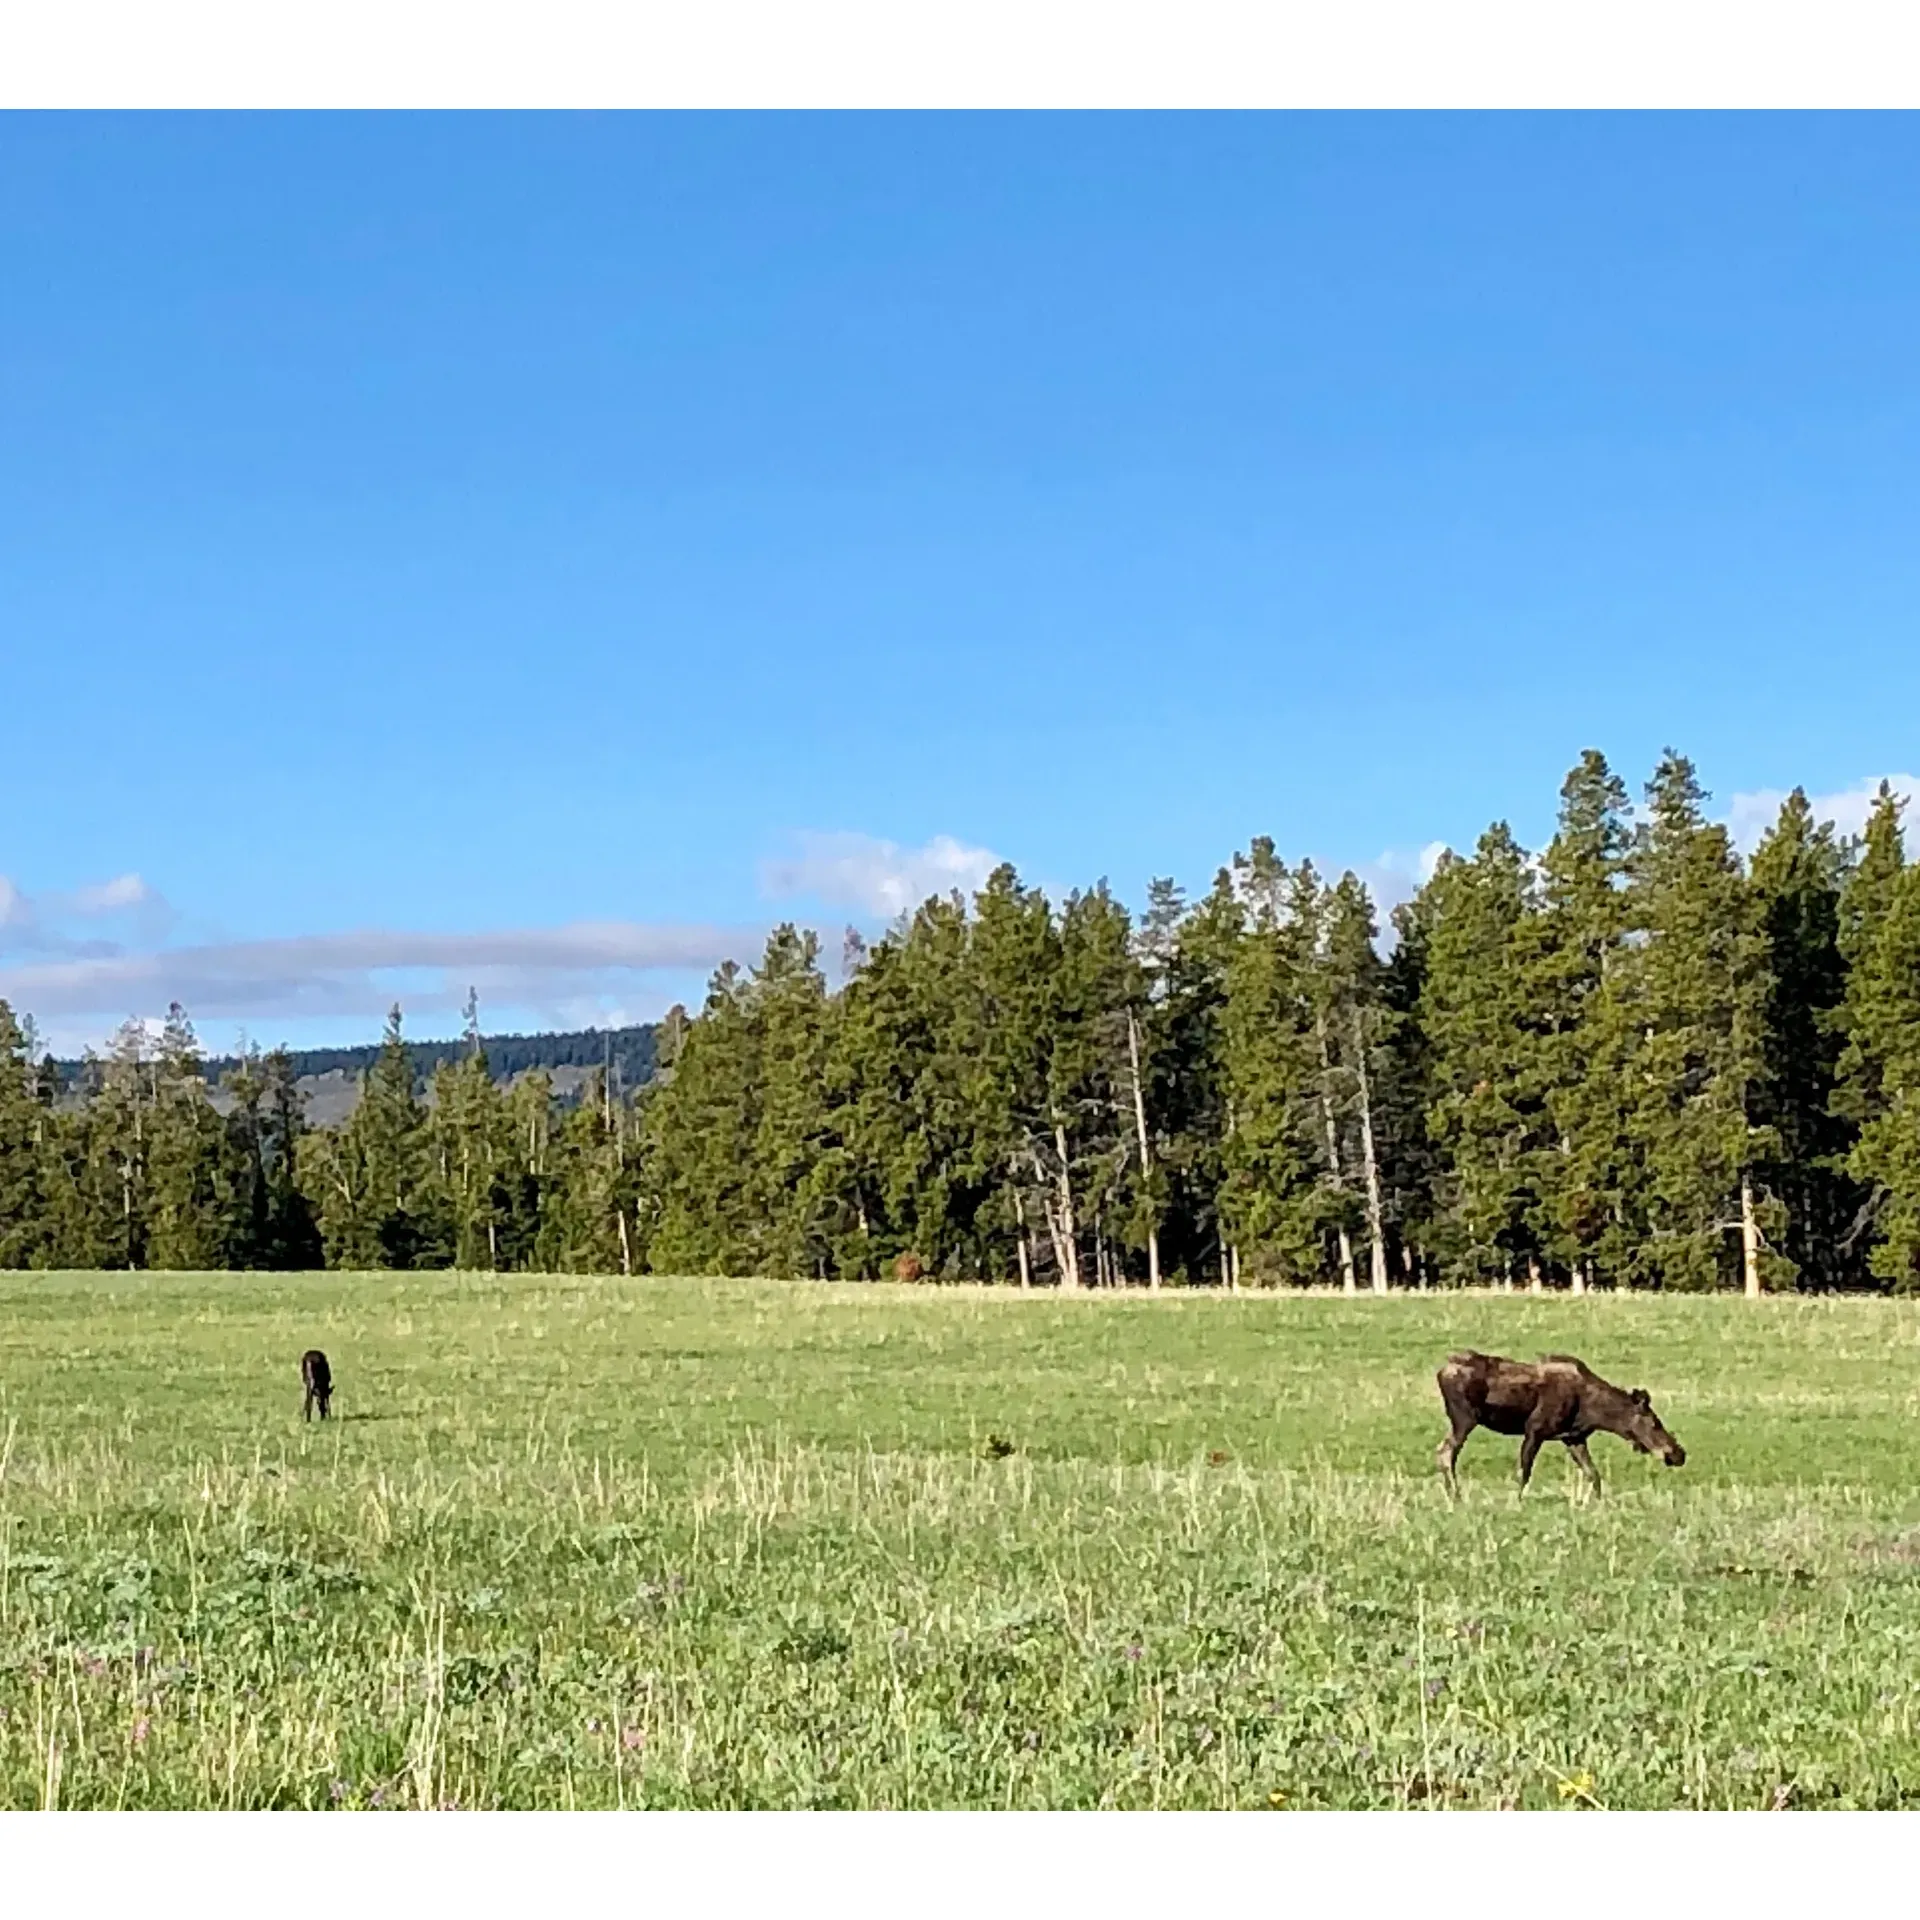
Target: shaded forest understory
column 1633, row 1060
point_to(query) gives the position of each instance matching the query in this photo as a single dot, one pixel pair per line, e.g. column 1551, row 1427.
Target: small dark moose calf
column 318, row 1377
column 1557, row 1398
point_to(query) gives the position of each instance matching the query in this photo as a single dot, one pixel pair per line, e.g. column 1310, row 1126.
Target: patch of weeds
column 806, row 1642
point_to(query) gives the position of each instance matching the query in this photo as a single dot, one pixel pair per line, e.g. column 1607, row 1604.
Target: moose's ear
column 1639, row 1396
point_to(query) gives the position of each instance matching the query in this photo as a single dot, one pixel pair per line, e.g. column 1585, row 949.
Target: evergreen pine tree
column 110, row 1192
column 1689, row 1002
column 196, row 1193
column 23, row 1224
column 1004, row 1029
column 701, row 1131
column 1583, row 1160
column 370, row 1180
column 1886, row 1030
column 1273, row 1191
column 1859, row 1095
column 1798, row 875
column 1487, row 1115
column 467, row 1151
column 793, row 1228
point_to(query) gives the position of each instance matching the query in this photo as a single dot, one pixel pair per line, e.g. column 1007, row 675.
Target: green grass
column 683, row 1543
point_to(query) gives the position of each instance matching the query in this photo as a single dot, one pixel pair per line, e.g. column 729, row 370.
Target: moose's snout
column 1675, row 1455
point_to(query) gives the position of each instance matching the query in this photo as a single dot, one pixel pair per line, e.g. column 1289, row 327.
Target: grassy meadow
column 591, row 1543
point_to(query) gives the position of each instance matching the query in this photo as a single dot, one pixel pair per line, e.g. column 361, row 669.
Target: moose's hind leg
column 1461, row 1421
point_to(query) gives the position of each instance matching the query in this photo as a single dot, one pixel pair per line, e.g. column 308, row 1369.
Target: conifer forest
column 1632, row 1059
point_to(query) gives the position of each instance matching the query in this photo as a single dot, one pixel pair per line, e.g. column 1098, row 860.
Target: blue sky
column 538, row 552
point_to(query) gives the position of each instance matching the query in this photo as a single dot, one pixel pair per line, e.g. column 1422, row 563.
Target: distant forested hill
column 628, row 1050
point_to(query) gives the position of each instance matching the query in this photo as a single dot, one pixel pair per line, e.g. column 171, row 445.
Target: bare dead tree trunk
column 1056, row 1206
column 626, row 1246
column 1534, row 1284
column 1749, row 1238
column 1068, row 1237
column 1026, row 1259
column 1348, row 1284
column 1577, row 1278
column 1146, row 1153
column 1376, row 1213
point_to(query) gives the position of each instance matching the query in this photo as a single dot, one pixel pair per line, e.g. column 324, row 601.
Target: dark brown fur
column 1556, row 1398
column 317, row 1377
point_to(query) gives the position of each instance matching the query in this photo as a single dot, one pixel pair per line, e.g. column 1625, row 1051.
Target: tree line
column 1633, row 1059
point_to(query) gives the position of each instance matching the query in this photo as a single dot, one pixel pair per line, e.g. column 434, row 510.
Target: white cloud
column 875, row 876
column 112, row 896
column 1749, row 815
column 1397, row 876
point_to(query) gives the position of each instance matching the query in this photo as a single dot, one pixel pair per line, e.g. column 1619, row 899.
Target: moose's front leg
column 1584, row 1461
column 1531, row 1442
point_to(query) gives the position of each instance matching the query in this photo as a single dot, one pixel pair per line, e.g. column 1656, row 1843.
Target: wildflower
column 593, row 1726
column 142, row 1659
column 1218, row 1457
column 1435, row 1688
column 1277, row 1798
column 377, row 1797
column 1135, row 1651
column 1576, row 1785
column 141, row 1727
column 633, row 1738
column 337, row 1791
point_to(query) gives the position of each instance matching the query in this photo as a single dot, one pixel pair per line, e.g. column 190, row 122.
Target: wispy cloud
column 333, row 975
column 1749, row 815
column 875, row 876
column 70, row 923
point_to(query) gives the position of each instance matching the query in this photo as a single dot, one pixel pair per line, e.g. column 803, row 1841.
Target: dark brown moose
column 317, row 1377
column 1556, row 1398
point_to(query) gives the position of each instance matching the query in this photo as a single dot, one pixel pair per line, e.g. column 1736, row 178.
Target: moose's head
column 1642, row 1427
